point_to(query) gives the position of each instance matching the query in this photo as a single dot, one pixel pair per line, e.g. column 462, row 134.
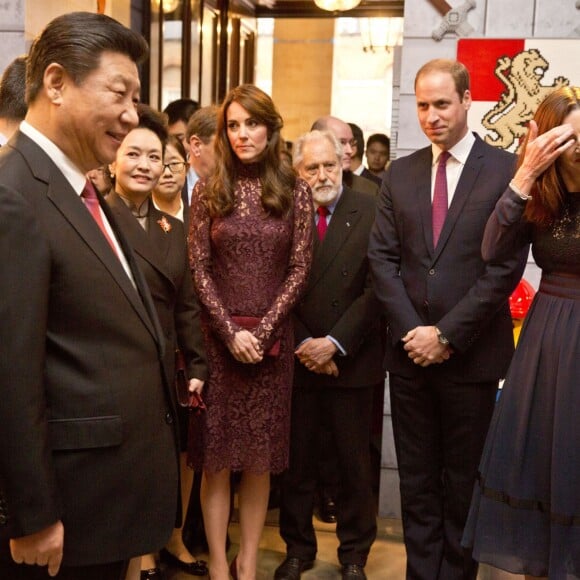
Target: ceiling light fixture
column 381, row 33
column 337, row 5
column 168, row 5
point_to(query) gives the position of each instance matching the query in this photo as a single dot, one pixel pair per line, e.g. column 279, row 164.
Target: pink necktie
column 322, row 226
column 440, row 201
column 91, row 200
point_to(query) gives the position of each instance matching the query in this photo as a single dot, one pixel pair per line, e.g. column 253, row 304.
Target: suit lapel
column 61, row 194
column 344, row 220
column 151, row 246
column 68, row 202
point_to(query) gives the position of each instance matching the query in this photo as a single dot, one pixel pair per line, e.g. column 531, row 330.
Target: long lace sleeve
column 298, row 267
column 506, row 232
column 200, row 262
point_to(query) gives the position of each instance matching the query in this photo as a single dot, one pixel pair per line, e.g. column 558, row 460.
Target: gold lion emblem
column 522, row 76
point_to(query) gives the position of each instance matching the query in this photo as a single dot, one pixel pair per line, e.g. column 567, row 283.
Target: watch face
column 441, row 338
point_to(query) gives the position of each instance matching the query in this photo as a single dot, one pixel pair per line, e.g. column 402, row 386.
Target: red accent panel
column 480, row 57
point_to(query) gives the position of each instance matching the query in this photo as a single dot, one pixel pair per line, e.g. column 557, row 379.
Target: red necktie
column 322, row 226
column 91, row 200
column 440, row 200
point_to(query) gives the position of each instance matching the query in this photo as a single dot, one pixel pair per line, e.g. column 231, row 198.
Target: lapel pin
column 348, row 224
column 165, row 225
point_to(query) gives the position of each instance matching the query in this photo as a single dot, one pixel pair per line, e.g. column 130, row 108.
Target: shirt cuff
column 341, row 350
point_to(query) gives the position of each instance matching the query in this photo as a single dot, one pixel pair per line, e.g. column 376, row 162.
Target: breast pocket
column 85, row 433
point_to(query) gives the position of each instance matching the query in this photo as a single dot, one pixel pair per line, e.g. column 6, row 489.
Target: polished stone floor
column 386, row 560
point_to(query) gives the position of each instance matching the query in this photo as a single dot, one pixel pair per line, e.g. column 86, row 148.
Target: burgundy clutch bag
column 193, row 401
column 250, row 323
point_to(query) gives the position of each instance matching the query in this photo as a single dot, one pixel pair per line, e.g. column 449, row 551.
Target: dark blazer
column 449, row 286
column 162, row 257
column 340, row 300
column 370, row 176
column 86, row 422
column 362, row 185
column 186, row 207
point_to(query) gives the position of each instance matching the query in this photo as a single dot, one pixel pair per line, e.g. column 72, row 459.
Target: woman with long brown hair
column 250, row 253
column 525, row 514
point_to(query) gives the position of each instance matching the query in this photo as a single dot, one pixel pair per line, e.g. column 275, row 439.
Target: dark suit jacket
column 449, row 286
column 186, row 208
column 162, row 257
column 370, row 176
column 340, row 300
column 86, row 421
column 362, row 185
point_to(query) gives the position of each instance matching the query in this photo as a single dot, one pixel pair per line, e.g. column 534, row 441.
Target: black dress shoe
column 291, row 568
column 353, row 572
column 326, row 510
column 197, row 568
column 152, row 574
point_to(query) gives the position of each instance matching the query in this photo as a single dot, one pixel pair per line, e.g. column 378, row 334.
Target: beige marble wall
column 302, row 72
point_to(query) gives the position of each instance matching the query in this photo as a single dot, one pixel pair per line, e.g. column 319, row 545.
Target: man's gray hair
column 316, row 135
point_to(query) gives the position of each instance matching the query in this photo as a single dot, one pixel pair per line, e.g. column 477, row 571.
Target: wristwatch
column 441, row 337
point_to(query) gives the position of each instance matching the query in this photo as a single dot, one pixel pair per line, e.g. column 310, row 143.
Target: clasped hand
column 246, row 348
column 43, row 548
column 196, row 386
column 316, row 355
column 423, row 346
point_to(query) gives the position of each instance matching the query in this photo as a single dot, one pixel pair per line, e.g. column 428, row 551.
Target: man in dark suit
column 88, row 446
column 449, row 334
column 325, row 505
column 338, row 362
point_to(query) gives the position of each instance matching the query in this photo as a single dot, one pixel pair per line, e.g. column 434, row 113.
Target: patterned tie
column 440, row 201
column 322, row 226
column 91, row 200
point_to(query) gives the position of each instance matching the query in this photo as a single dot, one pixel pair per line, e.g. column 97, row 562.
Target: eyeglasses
column 313, row 170
column 175, row 166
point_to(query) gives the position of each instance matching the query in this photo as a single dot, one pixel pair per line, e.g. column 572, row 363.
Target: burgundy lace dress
column 247, row 264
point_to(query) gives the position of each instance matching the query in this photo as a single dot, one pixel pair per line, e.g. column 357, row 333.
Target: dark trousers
column 348, row 411
column 439, row 430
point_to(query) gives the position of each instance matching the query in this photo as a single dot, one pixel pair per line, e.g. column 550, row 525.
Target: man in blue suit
column 449, row 333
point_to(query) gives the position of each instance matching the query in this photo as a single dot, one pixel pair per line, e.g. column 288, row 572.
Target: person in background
column 88, row 455
column 343, row 133
column 158, row 241
column 356, row 161
column 378, row 153
column 200, row 135
column 12, row 98
column 178, row 114
column 525, row 509
column 250, row 252
column 449, row 330
column 101, row 179
column 338, row 361
column 166, row 194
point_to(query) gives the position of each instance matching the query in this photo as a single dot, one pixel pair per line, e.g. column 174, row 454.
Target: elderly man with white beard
column 338, row 360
